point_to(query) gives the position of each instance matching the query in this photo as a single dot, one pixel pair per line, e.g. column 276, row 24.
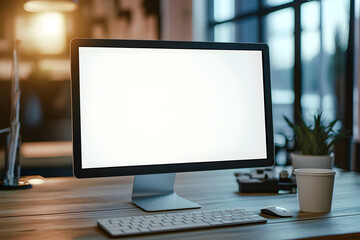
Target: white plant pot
column 312, row 161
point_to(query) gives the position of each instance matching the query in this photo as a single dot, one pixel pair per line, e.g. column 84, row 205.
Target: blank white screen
column 163, row 106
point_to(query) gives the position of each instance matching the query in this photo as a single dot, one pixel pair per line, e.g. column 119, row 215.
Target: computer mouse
column 276, row 211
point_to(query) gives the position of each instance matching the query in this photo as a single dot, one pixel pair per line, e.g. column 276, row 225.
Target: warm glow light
column 57, row 69
column 48, row 5
column 48, row 32
column 25, row 69
column 46, row 149
column 36, row 181
column 55, row 65
column 33, row 180
column 50, row 23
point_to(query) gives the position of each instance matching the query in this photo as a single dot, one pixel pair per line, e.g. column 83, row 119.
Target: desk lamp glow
column 51, row 5
column 12, row 159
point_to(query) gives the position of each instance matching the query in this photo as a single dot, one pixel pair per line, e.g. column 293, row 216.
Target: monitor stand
column 155, row 192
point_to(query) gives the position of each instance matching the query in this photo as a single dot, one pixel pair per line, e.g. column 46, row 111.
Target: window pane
column 224, row 10
column 335, row 23
column 335, row 32
column 357, row 72
column 313, row 88
column 280, row 37
column 224, row 32
column 310, row 16
column 245, row 6
column 324, row 44
column 276, row 2
column 247, row 30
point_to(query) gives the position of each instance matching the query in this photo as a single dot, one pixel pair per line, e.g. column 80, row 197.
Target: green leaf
column 318, row 139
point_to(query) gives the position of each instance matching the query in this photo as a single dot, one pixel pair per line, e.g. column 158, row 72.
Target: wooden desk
column 67, row 208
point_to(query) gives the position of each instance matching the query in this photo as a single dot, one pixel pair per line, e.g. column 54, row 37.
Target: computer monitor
column 154, row 108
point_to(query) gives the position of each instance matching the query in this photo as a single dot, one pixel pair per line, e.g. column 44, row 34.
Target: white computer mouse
column 276, row 211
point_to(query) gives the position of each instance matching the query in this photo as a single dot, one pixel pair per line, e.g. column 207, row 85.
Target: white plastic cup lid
column 314, row 171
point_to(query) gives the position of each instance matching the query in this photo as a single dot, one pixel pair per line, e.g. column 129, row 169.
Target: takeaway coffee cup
column 315, row 189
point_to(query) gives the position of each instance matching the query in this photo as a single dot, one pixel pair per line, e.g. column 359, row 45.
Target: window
column 280, row 38
column 322, row 34
column 308, row 43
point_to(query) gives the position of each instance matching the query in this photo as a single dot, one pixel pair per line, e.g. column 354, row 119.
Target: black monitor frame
column 80, row 172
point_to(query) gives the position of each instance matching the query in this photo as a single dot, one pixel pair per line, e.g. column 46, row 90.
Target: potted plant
column 315, row 143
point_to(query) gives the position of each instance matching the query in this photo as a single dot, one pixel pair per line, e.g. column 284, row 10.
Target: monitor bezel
column 80, row 172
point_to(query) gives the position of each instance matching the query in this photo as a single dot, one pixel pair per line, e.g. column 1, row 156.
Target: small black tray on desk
column 264, row 181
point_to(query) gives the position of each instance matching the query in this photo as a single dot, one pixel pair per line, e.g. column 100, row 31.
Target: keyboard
column 135, row 225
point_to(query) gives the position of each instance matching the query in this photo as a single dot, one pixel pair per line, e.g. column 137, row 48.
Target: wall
column 176, row 20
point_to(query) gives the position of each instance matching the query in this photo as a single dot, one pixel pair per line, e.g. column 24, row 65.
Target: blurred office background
column 314, row 51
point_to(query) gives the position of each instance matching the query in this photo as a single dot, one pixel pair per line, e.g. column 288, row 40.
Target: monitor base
column 15, row 186
column 156, row 193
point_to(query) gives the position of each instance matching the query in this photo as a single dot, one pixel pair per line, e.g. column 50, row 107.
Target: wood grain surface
column 67, row 208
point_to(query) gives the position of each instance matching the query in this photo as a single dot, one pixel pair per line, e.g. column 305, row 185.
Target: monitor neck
column 155, row 192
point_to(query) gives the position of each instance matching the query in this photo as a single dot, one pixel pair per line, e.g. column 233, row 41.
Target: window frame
column 262, row 11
